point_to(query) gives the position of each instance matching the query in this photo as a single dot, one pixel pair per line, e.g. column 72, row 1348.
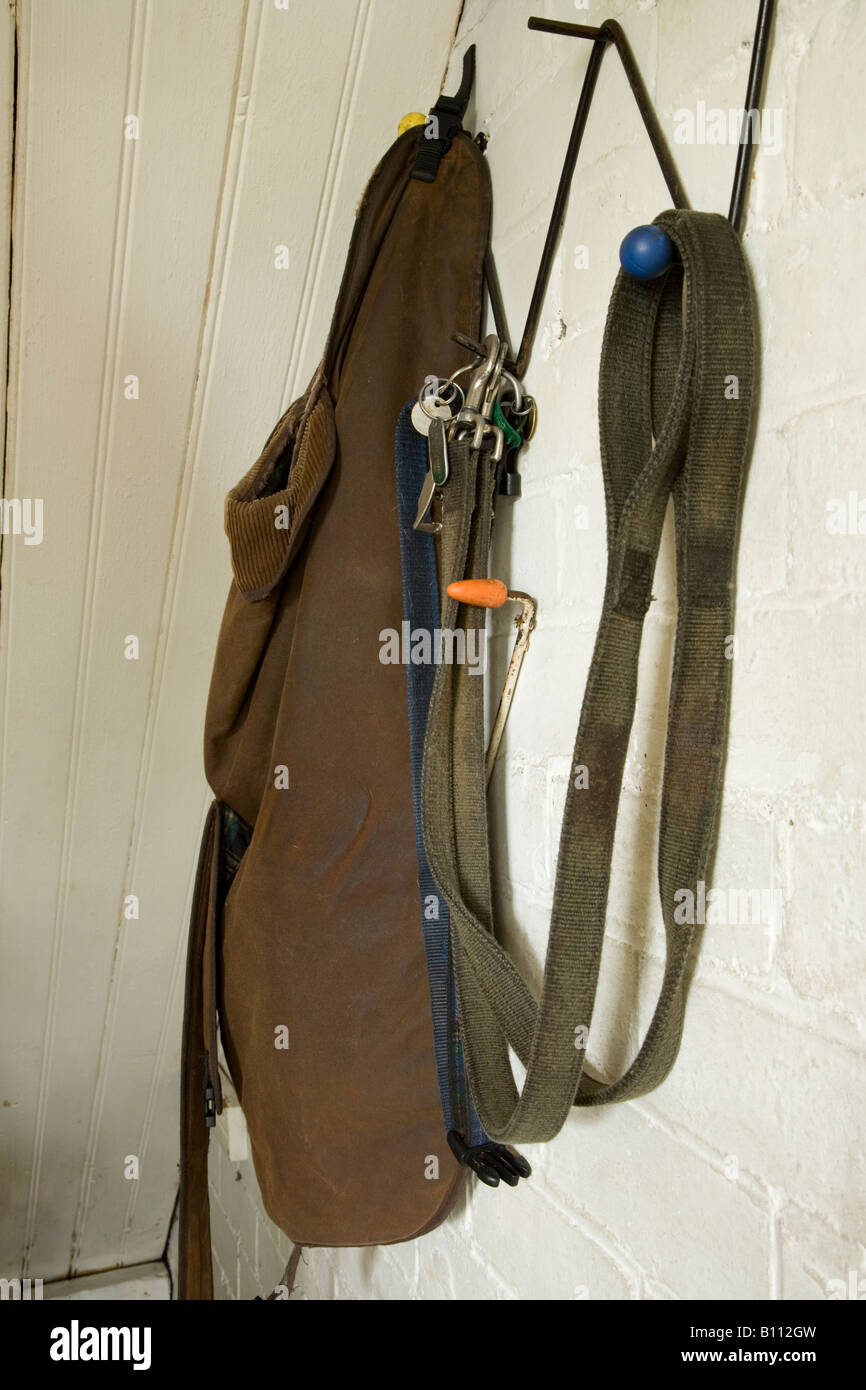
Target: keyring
column 437, row 395
column 518, row 393
column 452, row 379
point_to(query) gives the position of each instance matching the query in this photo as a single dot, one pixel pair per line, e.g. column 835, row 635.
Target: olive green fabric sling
column 676, row 391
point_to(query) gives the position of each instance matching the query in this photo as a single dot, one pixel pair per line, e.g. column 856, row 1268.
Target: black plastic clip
column 509, row 480
column 209, row 1096
column 491, row 1162
column 443, row 123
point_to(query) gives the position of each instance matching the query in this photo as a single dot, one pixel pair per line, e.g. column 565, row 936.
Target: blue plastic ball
column 646, row 253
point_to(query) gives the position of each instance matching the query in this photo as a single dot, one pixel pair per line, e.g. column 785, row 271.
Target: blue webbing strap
column 421, row 612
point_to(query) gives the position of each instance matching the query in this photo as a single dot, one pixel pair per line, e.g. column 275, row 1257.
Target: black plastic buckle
column 492, row 1163
column 209, row 1096
column 507, row 479
column 443, row 123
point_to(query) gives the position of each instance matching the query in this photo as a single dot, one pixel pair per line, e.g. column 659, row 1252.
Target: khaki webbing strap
column 676, row 391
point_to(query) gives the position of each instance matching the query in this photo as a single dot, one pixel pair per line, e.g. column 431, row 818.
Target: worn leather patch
column 708, row 575
column 635, row 584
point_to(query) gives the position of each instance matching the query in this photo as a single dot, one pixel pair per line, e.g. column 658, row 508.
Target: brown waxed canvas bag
column 306, row 912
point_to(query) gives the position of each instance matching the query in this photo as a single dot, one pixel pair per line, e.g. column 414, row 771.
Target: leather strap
column 195, row 1272
column 676, row 392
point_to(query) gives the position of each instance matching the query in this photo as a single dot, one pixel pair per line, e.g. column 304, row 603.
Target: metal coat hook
column 646, row 252
column 607, row 33
column 754, row 90
column 443, row 123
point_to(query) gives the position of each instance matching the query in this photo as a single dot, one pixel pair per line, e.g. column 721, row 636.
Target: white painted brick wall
column 743, row 1176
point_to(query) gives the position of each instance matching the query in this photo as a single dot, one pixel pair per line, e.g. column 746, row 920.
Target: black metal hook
column 610, row 32
column 443, row 123
column 607, row 33
column 461, row 96
column 754, row 89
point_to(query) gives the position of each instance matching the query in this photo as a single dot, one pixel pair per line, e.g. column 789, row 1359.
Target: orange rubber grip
column 482, row 593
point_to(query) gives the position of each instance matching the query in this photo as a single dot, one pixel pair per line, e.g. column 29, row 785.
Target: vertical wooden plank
column 143, row 231
column 182, row 168
column 66, row 198
column 7, row 144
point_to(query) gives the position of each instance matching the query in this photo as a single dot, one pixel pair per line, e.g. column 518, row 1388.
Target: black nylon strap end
column 443, row 123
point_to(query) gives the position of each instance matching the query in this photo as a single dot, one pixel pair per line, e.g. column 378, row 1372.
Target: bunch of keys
column 493, row 406
column 438, row 402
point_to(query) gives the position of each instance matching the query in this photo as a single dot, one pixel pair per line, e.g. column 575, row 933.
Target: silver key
column 437, row 475
column 425, row 499
column 423, row 415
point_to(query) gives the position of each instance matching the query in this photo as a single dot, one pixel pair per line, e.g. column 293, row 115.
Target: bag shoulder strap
column 671, row 424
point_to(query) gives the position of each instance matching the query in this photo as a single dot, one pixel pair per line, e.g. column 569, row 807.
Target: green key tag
column 513, row 440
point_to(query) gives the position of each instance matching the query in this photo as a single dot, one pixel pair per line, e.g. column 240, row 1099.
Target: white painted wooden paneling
column 151, row 257
column 144, row 1282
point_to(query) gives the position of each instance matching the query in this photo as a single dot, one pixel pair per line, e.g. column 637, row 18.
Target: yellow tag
column 413, row 118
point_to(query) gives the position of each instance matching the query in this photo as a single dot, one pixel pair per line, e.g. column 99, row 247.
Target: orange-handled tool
column 481, row 593
column 492, row 593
